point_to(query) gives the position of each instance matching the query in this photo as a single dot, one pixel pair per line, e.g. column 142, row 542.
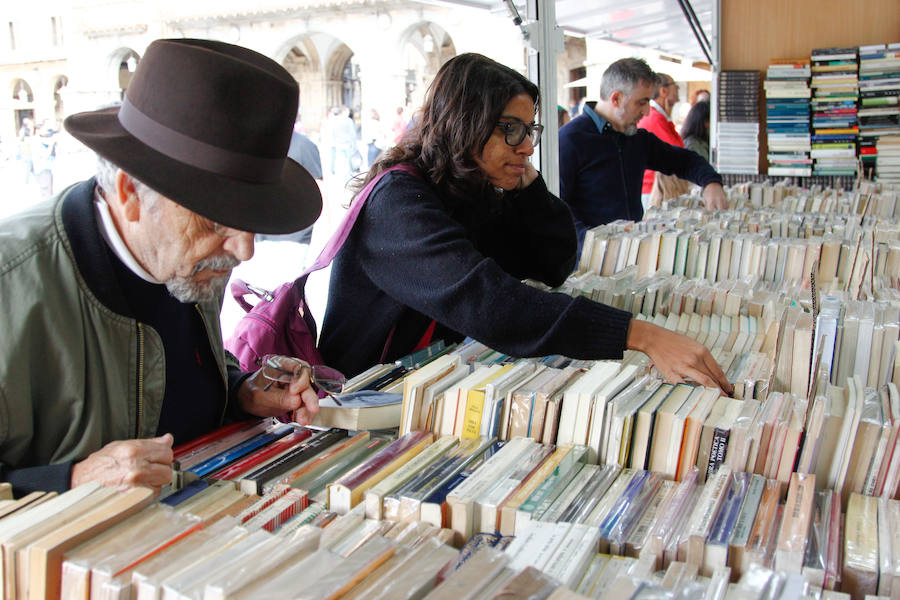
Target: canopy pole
column 545, row 41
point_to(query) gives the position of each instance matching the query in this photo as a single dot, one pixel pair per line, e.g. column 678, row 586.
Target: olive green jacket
column 76, row 372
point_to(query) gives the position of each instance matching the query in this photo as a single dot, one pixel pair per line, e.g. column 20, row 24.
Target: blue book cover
column 239, row 451
column 731, row 508
column 623, row 502
column 186, row 492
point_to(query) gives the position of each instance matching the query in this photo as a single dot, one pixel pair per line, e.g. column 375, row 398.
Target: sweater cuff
column 606, row 334
column 233, row 411
column 48, row 478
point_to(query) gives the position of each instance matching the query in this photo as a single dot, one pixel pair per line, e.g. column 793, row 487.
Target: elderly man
column 603, row 155
column 658, row 120
column 111, row 346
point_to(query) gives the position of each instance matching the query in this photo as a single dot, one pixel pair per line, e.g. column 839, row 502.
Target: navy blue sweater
column 413, row 257
column 601, row 170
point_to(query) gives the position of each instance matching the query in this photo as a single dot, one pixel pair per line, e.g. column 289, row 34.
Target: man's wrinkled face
column 189, row 253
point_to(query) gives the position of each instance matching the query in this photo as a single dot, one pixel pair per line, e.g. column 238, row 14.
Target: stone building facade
column 60, row 57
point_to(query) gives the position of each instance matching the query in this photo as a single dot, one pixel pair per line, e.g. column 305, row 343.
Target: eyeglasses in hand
column 284, row 369
column 516, row 131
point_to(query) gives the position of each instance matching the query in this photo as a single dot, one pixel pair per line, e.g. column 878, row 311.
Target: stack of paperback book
column 787, row 117
column 835, row 84
column 888, row 159
column 879, row 105
column 738, row 122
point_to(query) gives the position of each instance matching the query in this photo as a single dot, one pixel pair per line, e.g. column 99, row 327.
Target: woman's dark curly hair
column 462, row 107
column 696, row 122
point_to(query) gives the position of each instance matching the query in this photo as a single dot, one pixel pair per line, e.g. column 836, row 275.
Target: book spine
column 252, row 482
column 718, row 451
column 397, row 448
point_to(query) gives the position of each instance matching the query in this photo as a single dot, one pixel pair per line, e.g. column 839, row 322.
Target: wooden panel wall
column 756, row 31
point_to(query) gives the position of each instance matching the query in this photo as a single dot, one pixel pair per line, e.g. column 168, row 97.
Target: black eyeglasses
column 516, row 131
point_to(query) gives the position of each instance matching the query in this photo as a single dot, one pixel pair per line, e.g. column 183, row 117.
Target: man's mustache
column 215, row 263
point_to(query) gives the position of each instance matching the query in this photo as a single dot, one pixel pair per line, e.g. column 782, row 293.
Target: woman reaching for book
column 440, row 253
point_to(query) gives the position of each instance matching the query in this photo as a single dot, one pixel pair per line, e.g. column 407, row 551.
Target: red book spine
column 255, row 459
column 203, row 440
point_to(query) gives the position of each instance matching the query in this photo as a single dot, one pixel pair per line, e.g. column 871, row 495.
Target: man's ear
column 616, row 98
column 128, row 203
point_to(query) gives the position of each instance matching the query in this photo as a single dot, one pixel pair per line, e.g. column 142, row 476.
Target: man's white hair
column 106, row 179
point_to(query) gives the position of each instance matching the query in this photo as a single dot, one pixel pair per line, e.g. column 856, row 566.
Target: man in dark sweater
column 603, row 155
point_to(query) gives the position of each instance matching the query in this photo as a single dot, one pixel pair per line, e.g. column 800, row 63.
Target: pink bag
column 281, row 322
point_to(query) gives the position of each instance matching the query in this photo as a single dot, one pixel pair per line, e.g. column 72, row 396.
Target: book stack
column 787, row 117
column 835, row 85
column 737, row 130
column 887, row 162
column 879, row 110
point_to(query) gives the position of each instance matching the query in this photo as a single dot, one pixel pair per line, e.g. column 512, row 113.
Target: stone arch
column 21, row 91
column 425, row 46
column 342, row 79
column 301, row 56
column 22, row 97
column 59, row 84
column 122, row 63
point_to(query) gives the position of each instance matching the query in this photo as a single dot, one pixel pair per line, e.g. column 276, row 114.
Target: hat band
column 196, row 153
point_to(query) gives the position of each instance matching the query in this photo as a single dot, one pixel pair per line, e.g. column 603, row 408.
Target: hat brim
column 290, row 204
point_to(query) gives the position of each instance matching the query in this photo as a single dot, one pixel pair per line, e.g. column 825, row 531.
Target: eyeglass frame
column 527, row 131
column 262, row 362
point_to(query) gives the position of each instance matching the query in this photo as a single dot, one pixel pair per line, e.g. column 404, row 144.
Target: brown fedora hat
column 208, row 125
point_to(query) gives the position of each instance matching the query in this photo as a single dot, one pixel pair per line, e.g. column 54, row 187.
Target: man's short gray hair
column 624, row 75
column 106, row 179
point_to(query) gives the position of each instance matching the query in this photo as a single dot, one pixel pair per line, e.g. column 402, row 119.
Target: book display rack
column 854, row 107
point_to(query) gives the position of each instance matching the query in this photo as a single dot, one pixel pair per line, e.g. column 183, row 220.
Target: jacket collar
column 92, row 255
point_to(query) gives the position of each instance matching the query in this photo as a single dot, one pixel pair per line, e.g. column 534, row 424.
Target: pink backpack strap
column 333, row 245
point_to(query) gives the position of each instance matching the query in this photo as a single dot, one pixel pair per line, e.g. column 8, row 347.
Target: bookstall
column 560, row 478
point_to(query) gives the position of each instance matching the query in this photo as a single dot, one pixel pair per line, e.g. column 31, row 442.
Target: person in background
column 375, row 135
column 695, row 130
column 112, row 349
column 441, row 254
column 304, row 152
column 342, row 132
column 603, row 155
column 398, row 127
column 562, row 116
column 43, row 154
column 658, row 121
column 700, row 96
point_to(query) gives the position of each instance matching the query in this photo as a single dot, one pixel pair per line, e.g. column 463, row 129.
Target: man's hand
column 676, row 356
column 128, row 463
column 714, row 197
column 263, row 398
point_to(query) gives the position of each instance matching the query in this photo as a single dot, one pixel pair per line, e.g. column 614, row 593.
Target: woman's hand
column 676, row 356
column 528, row 176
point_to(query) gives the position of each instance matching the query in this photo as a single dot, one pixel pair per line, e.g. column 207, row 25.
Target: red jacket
column 657, row 123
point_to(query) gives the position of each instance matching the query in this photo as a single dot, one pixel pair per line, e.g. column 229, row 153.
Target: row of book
column 717, row 254
column 94, row 542
column 737, row 127
column 879, row 109
column 787, row 118
column 835, row 85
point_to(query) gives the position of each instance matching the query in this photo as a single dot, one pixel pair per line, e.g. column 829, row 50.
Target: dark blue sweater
column 413, row 257
column 601, row 170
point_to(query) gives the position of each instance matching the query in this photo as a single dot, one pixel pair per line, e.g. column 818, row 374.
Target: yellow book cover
column 471, row 428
